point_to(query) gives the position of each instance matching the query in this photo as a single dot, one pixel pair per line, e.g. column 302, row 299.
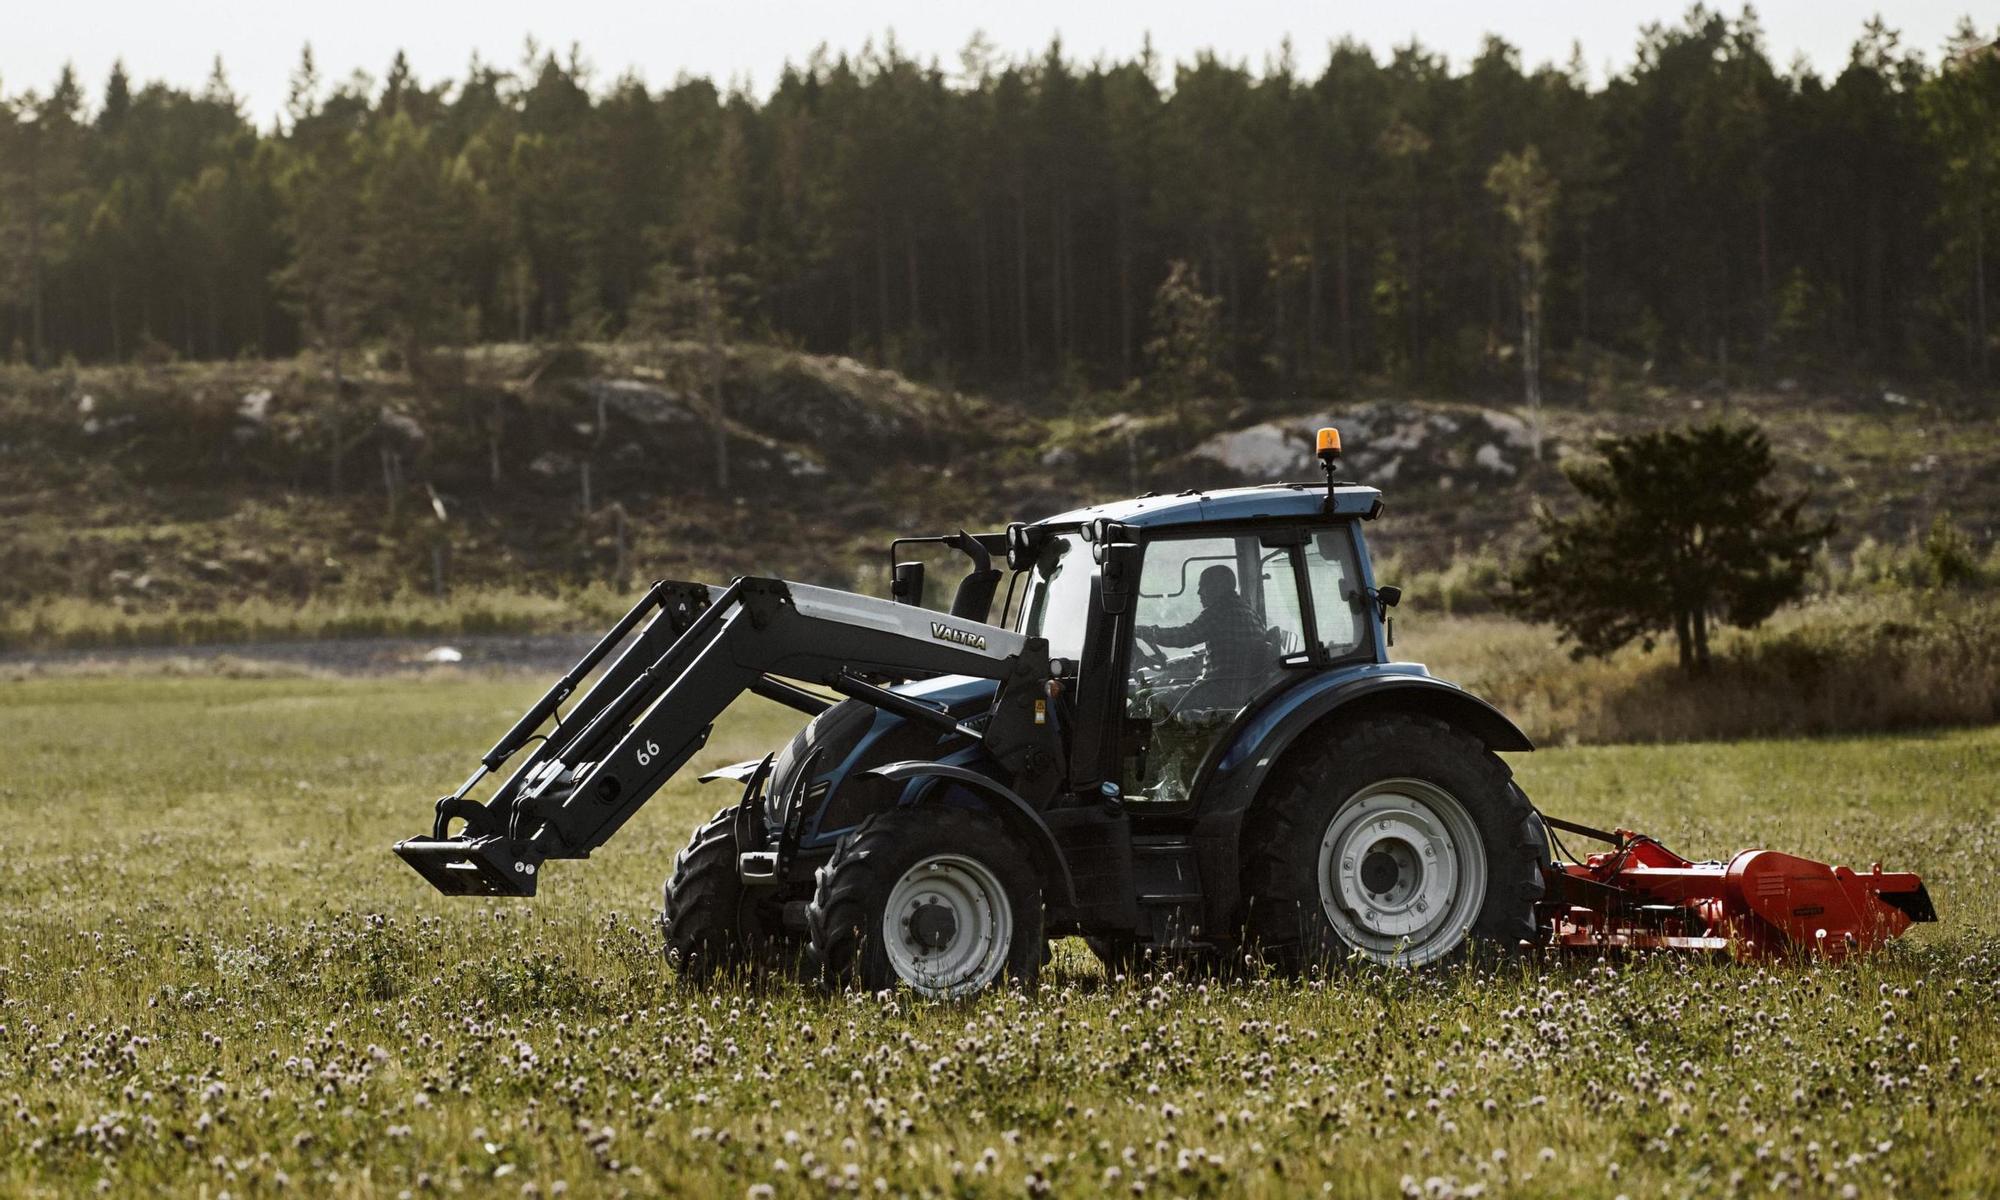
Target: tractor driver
column 1239, row 647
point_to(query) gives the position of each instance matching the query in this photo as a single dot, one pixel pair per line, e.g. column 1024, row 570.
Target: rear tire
column 1402, row 840
column 942, row 899
column 710, row 920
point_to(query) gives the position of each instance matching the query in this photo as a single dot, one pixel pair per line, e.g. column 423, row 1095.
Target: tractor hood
column 820, row 765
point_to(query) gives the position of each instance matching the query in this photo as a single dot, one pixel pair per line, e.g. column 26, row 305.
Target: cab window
column 1337, row 594
column 1057, row 606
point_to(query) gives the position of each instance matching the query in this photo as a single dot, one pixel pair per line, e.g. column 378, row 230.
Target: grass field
column 214, row 978
column 67, row 623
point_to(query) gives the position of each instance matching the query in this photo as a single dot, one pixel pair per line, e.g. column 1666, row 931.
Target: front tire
column 942, row 899
column 711, row 922
column 1402, row 840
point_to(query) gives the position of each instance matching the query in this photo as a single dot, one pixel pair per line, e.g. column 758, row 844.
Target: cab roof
column 1275, row 500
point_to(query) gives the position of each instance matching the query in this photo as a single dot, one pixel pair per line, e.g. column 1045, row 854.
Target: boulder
column 255, row 407
column 643, row 402
column 402, row 426
column 1510, row 429
column 1489, row 458
column 1267, row 451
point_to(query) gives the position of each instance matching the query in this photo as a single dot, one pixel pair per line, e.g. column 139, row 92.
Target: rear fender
column 1016, row 813
column 1262, row 743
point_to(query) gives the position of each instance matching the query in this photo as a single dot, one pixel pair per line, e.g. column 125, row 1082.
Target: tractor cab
column 1182, row 613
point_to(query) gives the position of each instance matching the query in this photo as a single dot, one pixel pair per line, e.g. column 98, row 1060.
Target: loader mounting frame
column 692, row 650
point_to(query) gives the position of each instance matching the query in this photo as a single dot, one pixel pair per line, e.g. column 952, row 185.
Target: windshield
column 1058, row 604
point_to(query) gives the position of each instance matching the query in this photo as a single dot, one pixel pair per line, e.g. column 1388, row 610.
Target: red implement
column 1759, row 904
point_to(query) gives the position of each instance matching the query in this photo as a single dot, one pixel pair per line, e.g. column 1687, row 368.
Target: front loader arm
column 653, row 707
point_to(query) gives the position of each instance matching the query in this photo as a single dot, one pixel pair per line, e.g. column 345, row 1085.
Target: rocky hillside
column 1464, row 478
column 531, row 468
column 512, row 466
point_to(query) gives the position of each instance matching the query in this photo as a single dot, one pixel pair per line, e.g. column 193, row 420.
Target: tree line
column 1004, row 219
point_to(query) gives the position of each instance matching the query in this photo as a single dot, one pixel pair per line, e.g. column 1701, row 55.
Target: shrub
column 1949, row 558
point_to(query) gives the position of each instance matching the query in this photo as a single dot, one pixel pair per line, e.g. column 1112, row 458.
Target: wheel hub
column 1379, row 871
column 932, row 926
column 947, row 926
column 1402, row 872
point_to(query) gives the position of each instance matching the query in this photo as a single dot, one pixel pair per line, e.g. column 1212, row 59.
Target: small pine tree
column 694, row 305
column 1184, row 355
column 1527, row 193
column 329, row 280
column 1679, row 529
column 1948, row 556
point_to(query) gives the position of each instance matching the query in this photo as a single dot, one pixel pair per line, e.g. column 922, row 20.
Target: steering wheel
column 1149, row 655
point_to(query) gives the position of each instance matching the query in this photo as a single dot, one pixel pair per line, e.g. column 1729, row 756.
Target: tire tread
column 1282, row 901
column 701, row 910
column 864, row 867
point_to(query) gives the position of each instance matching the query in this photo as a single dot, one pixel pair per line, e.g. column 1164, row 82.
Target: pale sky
column 750, row 40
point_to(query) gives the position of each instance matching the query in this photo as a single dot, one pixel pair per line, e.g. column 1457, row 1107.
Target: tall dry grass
column 1876, row 656
column 1851, row 664
column 63, row 623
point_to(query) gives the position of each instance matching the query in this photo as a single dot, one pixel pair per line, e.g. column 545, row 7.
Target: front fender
column 1015, row 812
column 736, row 771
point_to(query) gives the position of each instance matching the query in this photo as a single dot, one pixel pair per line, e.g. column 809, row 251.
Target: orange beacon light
column 1329, row 444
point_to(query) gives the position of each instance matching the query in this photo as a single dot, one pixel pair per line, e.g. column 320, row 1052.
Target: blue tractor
column 1169, row 725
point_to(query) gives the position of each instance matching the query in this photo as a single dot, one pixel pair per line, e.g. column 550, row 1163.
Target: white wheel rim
column 947, row 926
column 1402, row 872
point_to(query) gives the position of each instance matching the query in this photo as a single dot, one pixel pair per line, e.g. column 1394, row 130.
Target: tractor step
column 480, row 866
column 1169, row 889
column 757, row 867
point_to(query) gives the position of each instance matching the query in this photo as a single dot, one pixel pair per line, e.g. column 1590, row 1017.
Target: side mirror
column 1387, row 597
column 908, row 585
column 1120, row 575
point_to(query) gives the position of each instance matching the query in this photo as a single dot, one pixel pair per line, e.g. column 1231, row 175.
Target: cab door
column 1215, row 621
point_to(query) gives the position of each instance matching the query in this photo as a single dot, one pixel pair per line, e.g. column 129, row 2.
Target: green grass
column 214, row 977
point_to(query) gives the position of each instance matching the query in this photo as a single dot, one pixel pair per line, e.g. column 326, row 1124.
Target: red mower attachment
column 1759, row 905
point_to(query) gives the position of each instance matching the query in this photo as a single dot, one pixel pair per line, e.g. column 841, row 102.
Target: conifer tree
column 1680, row 529
column 1183, row 357
column 328, row 279
column 1527, row 194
